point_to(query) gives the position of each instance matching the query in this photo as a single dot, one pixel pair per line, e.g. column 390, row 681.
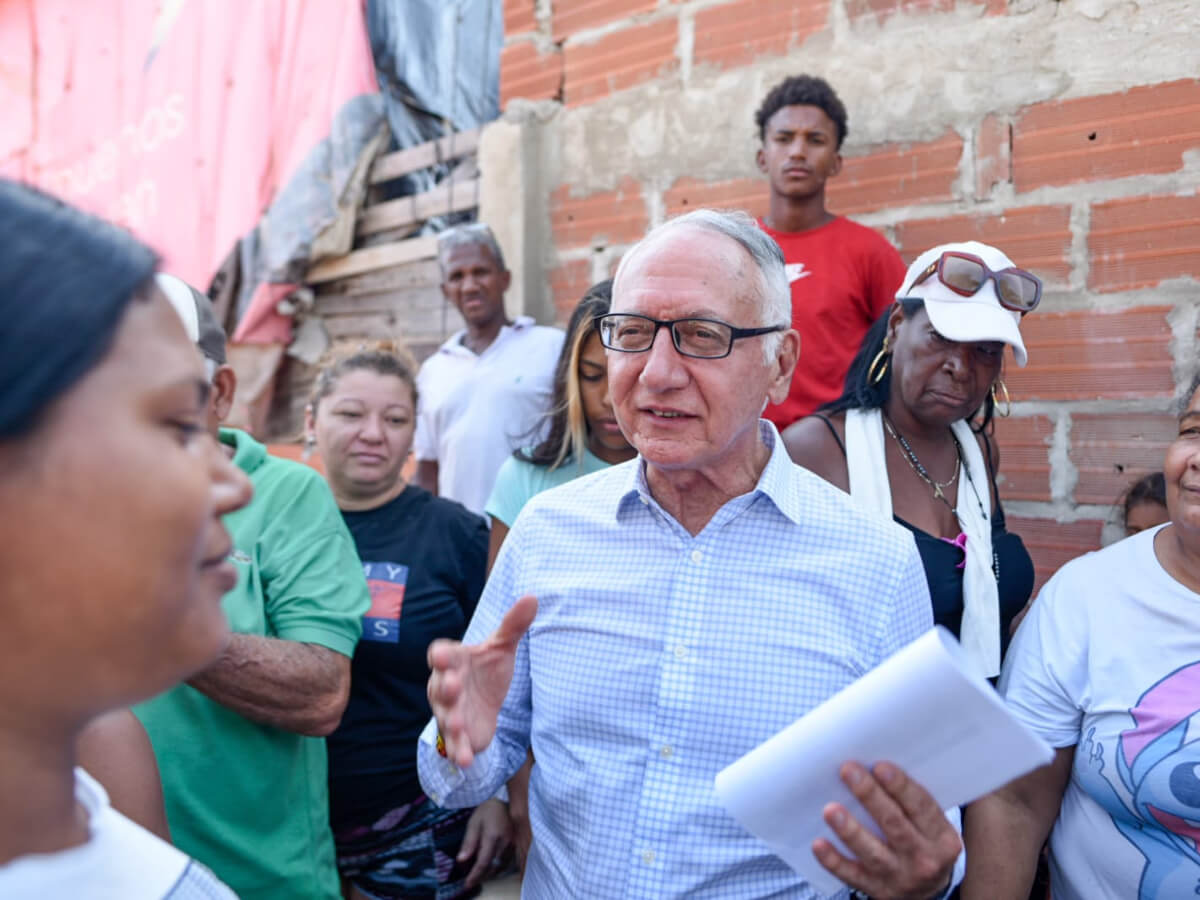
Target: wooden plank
column 366, row 325
column 378, row 326
column 422, row 350
column 422, row 156
column 294, row 384
column 411, row 325
column 388, row 236
column 426, row 323
column 417, row 274
column 373, row 258
column 385, row 301
column 449, row 196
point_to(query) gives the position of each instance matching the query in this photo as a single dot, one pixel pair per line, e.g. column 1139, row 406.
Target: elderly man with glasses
column 689, row 604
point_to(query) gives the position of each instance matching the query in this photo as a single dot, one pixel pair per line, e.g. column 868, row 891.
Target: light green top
column 250, row 801
column 519, row 480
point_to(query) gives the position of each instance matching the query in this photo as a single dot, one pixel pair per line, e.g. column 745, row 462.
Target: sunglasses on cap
column 966, row 274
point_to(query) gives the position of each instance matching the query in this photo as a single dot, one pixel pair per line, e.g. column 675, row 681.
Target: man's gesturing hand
column 468, row 684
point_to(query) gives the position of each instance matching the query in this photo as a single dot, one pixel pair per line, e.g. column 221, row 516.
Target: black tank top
column 1012, row 565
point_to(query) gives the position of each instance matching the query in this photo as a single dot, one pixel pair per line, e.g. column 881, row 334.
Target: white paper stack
column 924, row 709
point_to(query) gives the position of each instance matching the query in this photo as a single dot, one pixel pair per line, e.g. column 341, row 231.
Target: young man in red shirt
column 843, row 275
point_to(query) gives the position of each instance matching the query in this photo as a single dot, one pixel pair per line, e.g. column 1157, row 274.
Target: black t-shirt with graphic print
column 425, row 560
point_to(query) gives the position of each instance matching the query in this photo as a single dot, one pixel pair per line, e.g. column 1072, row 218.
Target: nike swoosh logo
column 795, row 271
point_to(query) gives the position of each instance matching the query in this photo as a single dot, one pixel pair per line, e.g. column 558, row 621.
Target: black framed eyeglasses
column 699, row 338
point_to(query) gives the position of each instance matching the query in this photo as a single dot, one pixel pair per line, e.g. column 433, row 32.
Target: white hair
column 474, row 234
column 775, row 296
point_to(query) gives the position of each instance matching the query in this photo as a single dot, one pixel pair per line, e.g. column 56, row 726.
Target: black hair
column 860, row 393
column 1150, row 488
column 802, row 90
column 567, row 432
column 66, row 279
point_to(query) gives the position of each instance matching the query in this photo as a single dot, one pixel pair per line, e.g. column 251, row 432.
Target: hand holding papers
column 924, row 710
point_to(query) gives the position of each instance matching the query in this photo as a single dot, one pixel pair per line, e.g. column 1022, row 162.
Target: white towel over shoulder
column 867, row 467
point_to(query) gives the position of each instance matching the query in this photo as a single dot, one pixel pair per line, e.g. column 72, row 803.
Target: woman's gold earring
column 1007, row 411
column 880, row 362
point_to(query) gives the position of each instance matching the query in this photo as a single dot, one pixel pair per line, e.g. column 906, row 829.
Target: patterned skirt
column 408, row 852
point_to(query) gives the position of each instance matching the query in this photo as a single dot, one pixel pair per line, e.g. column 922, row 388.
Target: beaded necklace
column 917, row 466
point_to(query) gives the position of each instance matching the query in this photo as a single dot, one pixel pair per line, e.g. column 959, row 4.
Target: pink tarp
column 178, row 118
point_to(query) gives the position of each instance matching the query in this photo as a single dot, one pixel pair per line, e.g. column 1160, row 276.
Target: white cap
column 196, row 313
column 979, row 317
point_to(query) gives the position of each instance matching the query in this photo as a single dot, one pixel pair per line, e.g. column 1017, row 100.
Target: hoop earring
column 879, row 362
column 1007, row 411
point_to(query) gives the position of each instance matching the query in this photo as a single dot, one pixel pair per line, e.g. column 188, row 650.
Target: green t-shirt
column 250, row 801
column 519, row 480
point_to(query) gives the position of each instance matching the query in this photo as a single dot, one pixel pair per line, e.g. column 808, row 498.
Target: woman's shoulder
column 520, row 477
column 817, row 443
column 426, row 511
column 815, row 433
column 571, row 488
column 514, row 484
column 1128, row 566
column 120, row 855
column 517, row 466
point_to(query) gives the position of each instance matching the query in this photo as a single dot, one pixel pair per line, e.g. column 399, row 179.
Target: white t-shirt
column 474, row 410
column 1108, row 660
column 120, row 861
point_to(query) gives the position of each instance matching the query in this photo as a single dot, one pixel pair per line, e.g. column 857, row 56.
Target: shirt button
column 697, row 556
column 645, row 502
column 648, row 857
column 666, row 751
column 681, row 652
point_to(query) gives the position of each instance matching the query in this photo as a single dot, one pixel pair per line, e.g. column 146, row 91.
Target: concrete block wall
column 1067, row 133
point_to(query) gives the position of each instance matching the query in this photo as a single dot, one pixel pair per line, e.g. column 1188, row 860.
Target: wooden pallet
column 388, row 286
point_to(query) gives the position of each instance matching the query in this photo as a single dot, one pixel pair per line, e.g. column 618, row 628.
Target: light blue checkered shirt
column 658, row 658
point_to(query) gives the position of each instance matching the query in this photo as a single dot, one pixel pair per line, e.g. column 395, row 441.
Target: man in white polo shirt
column 484, row 392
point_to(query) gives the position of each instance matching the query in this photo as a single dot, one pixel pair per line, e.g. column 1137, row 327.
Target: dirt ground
column 504, row 889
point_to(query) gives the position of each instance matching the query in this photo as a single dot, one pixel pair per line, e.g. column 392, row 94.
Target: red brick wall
column 1090, row 180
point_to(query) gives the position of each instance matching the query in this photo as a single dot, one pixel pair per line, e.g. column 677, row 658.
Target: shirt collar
column 454, row 344
column 775, row 482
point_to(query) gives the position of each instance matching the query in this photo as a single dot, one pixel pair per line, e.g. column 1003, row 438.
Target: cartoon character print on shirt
column 385, row 581
column 1153, row 796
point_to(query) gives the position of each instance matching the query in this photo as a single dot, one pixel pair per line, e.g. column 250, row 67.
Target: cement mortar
column 1184, row 320
column 512, row 201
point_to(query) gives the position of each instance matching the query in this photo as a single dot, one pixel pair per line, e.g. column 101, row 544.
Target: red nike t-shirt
column 843, row 276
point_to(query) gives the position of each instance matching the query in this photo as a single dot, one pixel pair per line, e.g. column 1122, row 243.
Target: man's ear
column 224, row 386
column 505, row 280
column 784, row 366
column 837, row 165
column 760, row 160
